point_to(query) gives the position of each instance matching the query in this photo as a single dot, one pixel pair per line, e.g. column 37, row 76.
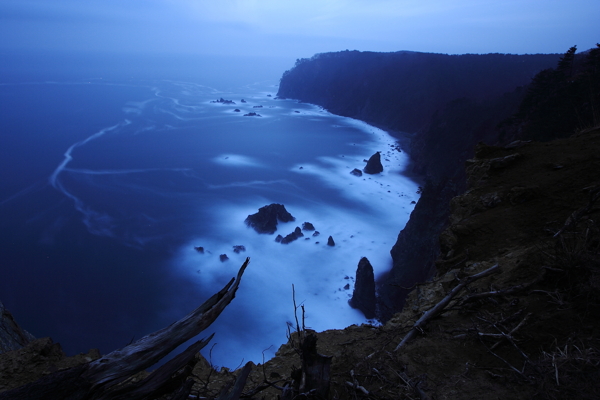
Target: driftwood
column 100, row 379
column 439, row 307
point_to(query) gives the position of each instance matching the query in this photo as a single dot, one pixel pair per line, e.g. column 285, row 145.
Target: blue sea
column 110, row 178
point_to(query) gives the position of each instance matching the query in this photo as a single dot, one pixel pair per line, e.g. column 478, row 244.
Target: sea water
column 109, row 185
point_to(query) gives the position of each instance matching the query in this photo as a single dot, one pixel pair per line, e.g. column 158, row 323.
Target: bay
column 107, row 185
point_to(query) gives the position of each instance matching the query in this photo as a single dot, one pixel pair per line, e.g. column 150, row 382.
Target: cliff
column 528, row 331
column 12, row 336
column 401, row 91
column 447, row 102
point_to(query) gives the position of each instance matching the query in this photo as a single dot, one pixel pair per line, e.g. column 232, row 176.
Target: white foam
column 237, row 160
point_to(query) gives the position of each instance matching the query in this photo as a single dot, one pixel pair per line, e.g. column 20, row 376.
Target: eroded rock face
column 363, row 297
column 374, row 165
column 12, row 336
column 265, row 220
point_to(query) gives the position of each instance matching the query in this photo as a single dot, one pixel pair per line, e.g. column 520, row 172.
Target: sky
column 296, row 29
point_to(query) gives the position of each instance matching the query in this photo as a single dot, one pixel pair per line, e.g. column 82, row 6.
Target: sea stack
column 363, row 297
column 265, row 220
column 374, row 164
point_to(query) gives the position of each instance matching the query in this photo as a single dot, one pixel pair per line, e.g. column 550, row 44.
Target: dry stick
column 574, row 218
column 509, row 335
column 439, row 307
column 146, row 351
column 501, row 292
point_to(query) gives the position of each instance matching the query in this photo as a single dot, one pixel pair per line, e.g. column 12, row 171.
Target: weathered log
column 147, row 351
column 439, row 307
column 97, row 379
column 240, row 382
column 159, row 380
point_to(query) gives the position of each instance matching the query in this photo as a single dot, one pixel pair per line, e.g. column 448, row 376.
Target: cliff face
column 12, row 336
column 401, row 91
column 449, row 102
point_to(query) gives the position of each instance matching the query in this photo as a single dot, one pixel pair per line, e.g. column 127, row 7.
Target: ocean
column 111, row 178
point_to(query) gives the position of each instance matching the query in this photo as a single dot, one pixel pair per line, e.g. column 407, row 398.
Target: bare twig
column 439, row 307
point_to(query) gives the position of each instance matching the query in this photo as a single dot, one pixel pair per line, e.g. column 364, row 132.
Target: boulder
column 236, row 110
column 265, row 220
column 330, row 241
column 292, row 236
column 374, row 164
column 307, row 226
column 199, row 249
column 289, row 238
column 237, row 249
column 252, row 114
column 279, row 238
column 317, row 233
column 223, row 257
column 356, row 172
column 363, row 297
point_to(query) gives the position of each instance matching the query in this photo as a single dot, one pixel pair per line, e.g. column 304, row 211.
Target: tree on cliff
column 564, row 99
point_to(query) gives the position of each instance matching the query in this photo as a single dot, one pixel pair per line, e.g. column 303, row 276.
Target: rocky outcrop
column 307, row 226
column 374, row 165
column 265, row 220
column 12, row 336
column 223, row 101
column 36, row 360
column 252, row 114
column 223, row 257
column 292, row 236
column 363, row 297
column 330, row 241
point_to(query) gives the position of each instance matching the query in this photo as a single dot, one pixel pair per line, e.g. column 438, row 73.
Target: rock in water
column 330, row 241
column 223, row 257
column 363, row 297
column 356, row 172
column 307, row 226
column 265, row 220
column 374, row 164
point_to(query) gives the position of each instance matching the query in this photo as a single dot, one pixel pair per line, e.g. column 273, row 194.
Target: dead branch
column 439, row 307
column 497, row 293
column 509, row 336
column 574, row 218
column 145, row 352
column 99, row 379
column 240, row 382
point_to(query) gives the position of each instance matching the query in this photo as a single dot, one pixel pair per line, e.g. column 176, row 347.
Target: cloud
column 299, row 28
